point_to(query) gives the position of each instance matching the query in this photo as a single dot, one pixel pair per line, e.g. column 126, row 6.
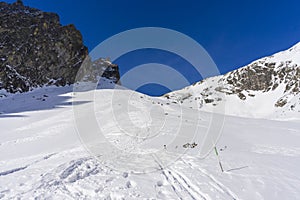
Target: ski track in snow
column 215, row 183
column 11, row 171
column 187, row 184
column 181, row 185
column 180, row 189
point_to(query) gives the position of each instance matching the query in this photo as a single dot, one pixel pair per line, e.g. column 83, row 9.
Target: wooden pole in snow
column 216, row 151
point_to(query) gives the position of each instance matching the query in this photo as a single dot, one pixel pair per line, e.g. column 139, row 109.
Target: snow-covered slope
column 158, row 148
column 266, row 88
column 42, row 156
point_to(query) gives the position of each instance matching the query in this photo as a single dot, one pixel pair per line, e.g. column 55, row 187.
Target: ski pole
column 216, row 151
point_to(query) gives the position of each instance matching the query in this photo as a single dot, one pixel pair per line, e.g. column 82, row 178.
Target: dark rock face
column 94, row 70
column 36, row 50
column 264, row 76
column 254, row 77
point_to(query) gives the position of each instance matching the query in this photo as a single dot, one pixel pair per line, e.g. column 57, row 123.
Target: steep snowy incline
column 42, row 157
column 292, row 54
column 266, row 88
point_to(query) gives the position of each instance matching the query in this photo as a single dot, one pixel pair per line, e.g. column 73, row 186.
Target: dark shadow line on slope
column 11, row 116
column 37, row 100
column 11, row 171
column 238, row 168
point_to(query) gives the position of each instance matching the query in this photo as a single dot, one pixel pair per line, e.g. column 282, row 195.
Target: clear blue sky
column 233, row 32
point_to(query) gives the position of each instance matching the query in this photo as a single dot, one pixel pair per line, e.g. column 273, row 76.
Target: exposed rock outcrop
column 268, row 85
column 36, row 50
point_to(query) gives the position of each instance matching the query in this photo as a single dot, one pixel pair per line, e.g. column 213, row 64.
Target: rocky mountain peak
column 267, row 74
column 36, row 50
column 272, row 82
column 18, row 3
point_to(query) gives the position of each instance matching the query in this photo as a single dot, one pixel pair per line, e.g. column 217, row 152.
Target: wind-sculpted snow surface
column 42, row 157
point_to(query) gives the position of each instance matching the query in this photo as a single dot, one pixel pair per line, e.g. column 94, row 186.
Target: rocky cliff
column 36, row 50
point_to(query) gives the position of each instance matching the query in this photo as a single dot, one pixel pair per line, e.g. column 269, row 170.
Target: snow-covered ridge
column 289, row 55
column 268, row 88
column 292, row 54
